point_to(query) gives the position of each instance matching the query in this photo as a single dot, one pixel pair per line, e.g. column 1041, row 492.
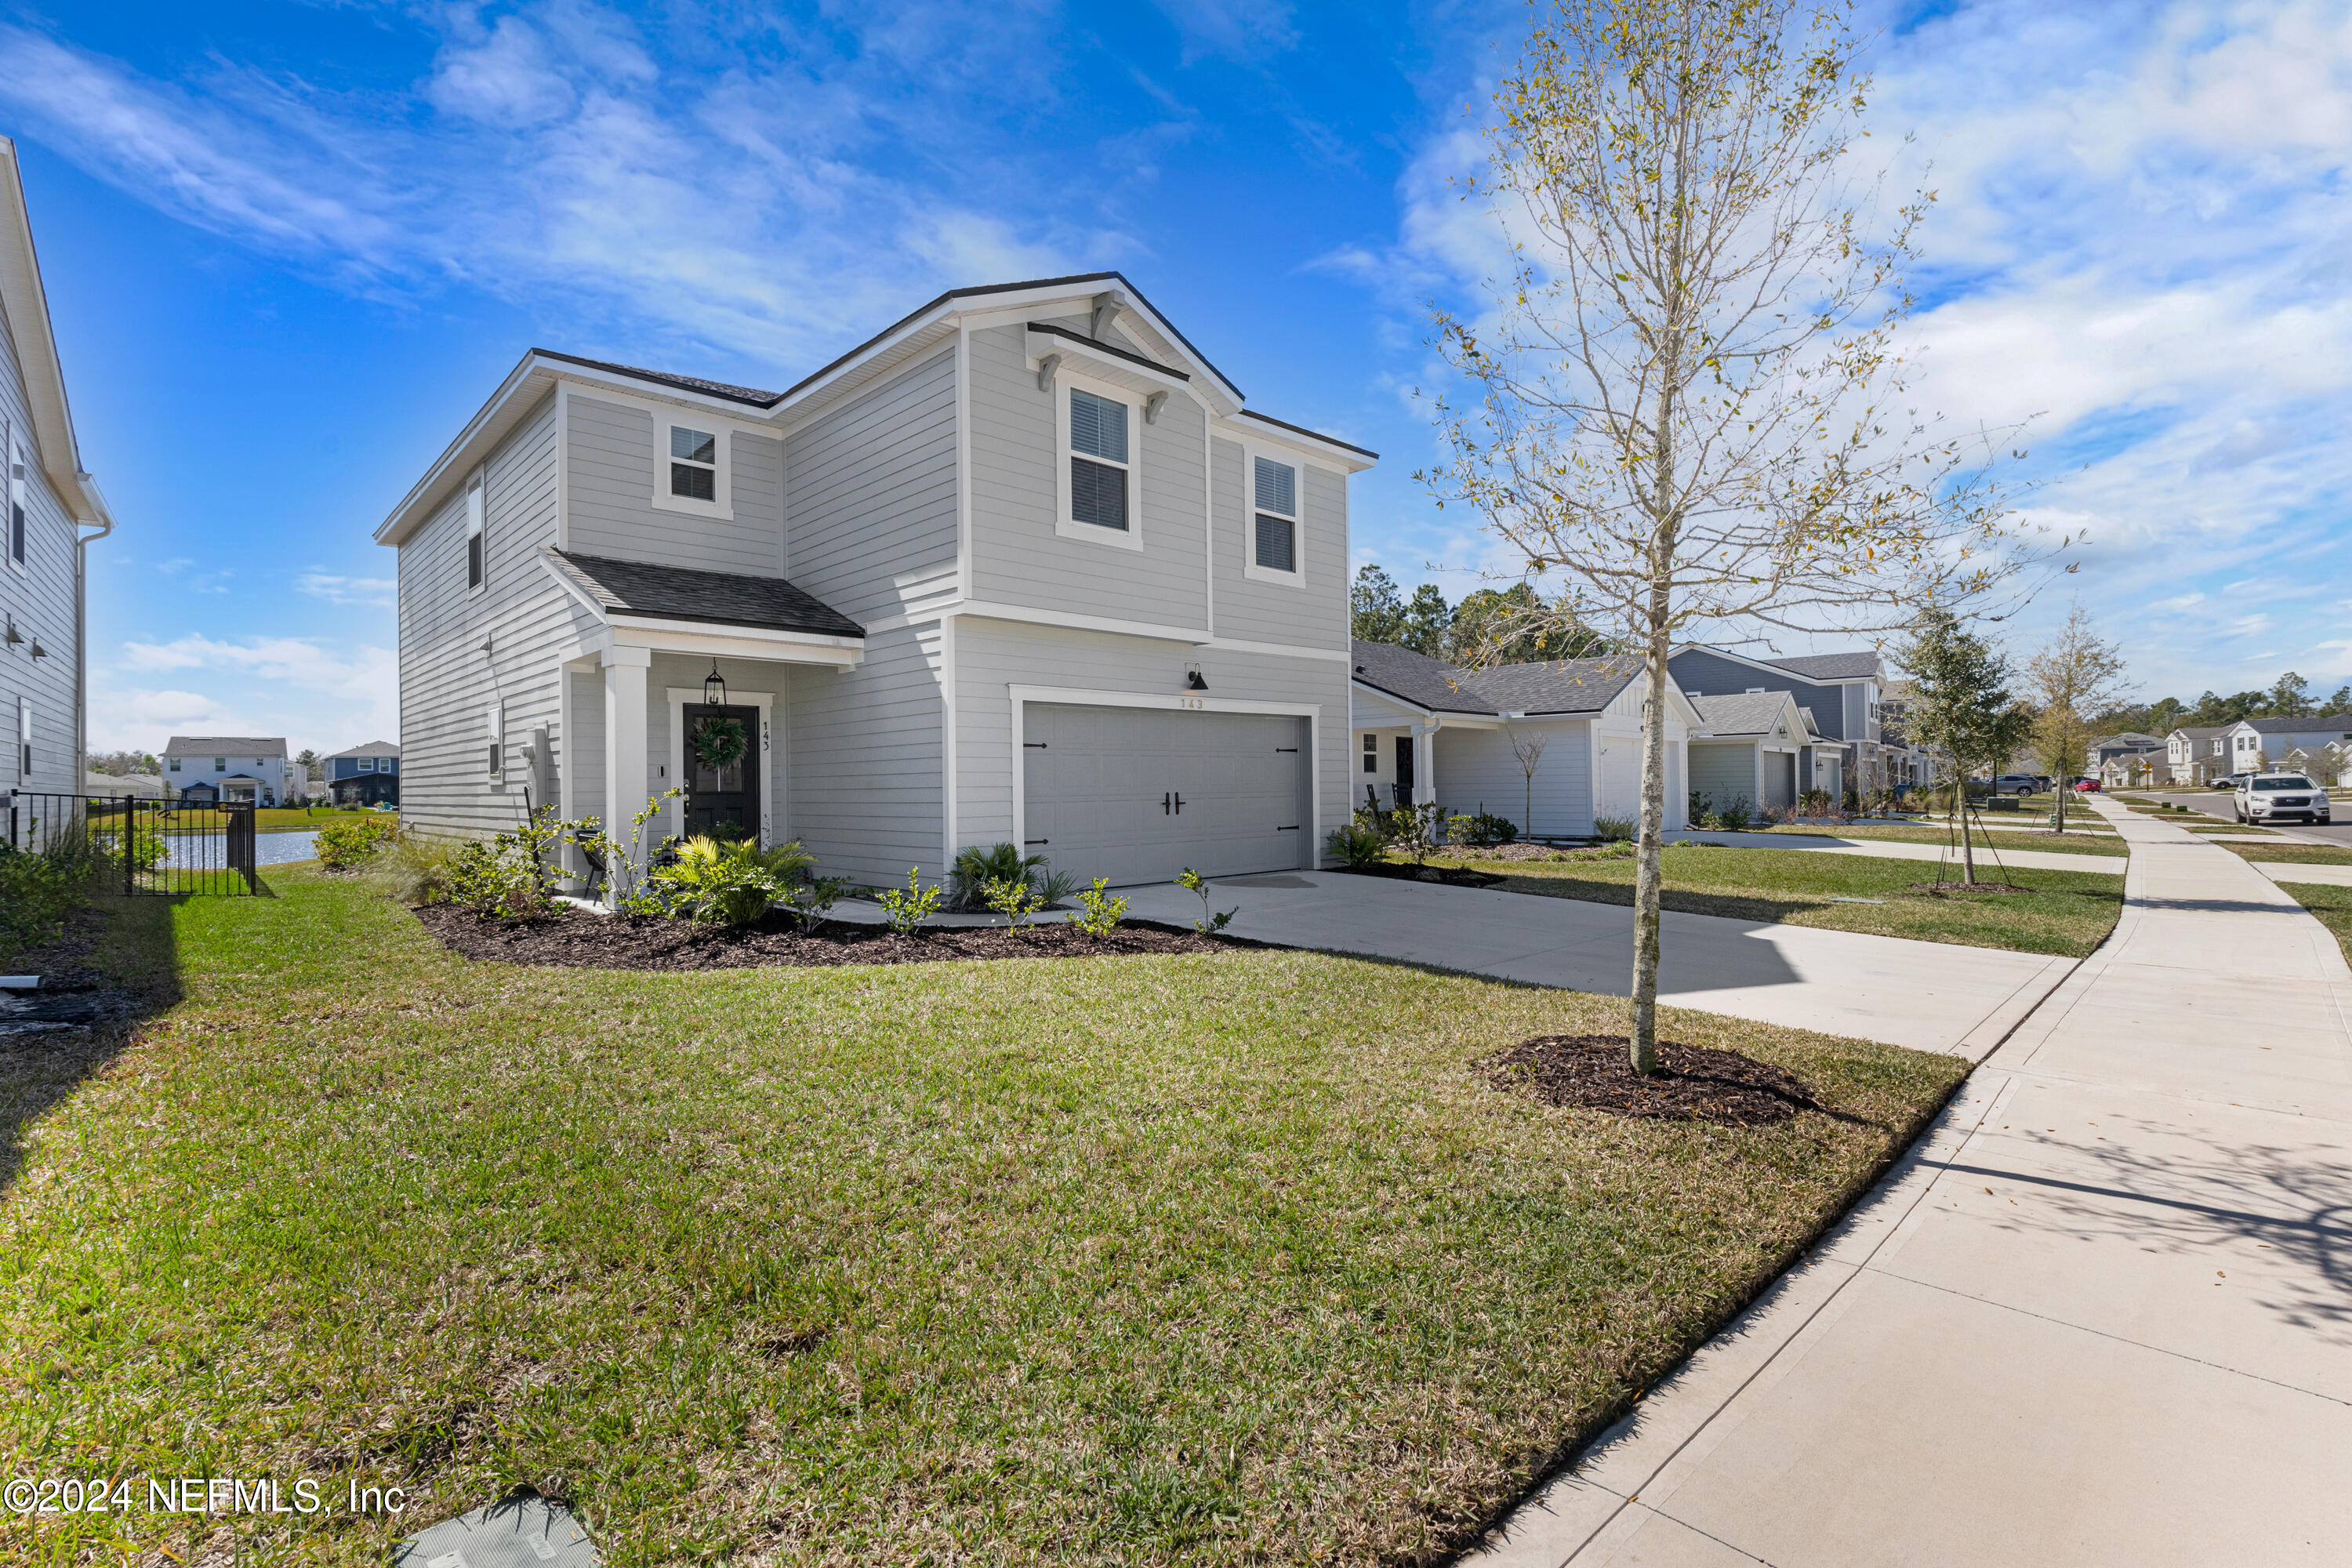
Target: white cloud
column 313, row 693
column 377, row 590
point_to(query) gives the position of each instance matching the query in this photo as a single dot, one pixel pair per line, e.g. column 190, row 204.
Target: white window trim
column 496, row 748
column 722, row 438
column 1296, row 576
column 1065, row 524
column 477, row 525
column 12, row 447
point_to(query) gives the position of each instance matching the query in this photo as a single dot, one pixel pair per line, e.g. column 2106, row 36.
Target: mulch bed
column 1693, row 1083
column 1452, row 876
column 73, row 992
column 578, row 940
column 1949, row 890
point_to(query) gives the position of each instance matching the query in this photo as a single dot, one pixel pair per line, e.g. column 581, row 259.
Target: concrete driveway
column 2102, row 1316
column 1924, row 995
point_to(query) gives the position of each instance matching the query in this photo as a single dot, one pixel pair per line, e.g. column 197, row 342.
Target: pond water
column 195, row 850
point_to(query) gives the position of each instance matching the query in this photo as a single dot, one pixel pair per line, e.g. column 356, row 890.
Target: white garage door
column 1620, row 777
column 1136, row 795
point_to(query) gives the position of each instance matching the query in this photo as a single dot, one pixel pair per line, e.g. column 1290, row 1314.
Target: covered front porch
column 674, row 700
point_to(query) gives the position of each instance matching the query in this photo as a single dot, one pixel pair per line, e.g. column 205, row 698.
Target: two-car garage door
column 1136, row 795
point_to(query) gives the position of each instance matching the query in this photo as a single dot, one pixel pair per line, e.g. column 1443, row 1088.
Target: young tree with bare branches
column 2076, row 674
column 1529, row 749
column 1685, row 397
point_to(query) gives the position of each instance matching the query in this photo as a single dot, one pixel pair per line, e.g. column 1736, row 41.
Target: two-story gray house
column 48, row 504
column 1021, row 567
column 363, row 776
column 1840, row 695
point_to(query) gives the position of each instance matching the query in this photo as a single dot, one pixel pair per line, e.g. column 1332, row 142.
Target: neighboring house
column 366, row 776
column 1022, row 568
column 1752, row 748
column 2125, row 747
column 1859, row 745
column 47, row 502
column 250, row 769
column 2199, row 755
column 1424, row 732
column 145, row 786
column 2256, row 744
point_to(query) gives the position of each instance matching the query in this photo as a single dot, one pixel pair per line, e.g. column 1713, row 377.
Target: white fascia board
column 1261, row 430
column 27, row 303
column 1074, row 350
column 1004, row 310
column 740, row 642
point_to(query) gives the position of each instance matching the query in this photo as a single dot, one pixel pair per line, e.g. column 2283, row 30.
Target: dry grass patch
column 1222, row 1258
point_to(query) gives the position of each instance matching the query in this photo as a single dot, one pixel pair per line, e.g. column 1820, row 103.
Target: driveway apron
column 2102, row 1315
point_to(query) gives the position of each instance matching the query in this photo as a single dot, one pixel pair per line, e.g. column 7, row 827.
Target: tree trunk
column 1648, row 876
column 1530, row 812
column 1968, row 850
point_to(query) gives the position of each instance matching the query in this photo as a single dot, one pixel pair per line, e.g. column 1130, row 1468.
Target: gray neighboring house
column 1021, row 567
column 1753, row 748
column 1853, row 709
column 1426, row 731
column 48, row 504
column 2199, row 755
column 2115, row 758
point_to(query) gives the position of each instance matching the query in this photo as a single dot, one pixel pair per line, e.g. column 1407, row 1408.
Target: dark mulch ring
column 579, row 939
column 73, row 993
column 1693, row 1083
column 1452, row 876
column 1952, row 889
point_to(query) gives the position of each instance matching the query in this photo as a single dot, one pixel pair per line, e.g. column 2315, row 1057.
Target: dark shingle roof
column 1830, row 665
column 372, row 749
column 686, row 594
column 733, row 394
column 226, row 746
column 2338, row 721
column 1562, row 686
column 1739, row 713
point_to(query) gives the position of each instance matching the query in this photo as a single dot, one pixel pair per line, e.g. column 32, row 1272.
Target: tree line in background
column 1490, row 625
column 2290, row 697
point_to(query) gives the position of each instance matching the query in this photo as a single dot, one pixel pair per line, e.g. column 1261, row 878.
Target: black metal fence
column 164, row 847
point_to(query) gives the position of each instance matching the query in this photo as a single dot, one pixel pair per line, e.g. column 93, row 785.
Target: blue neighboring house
column 366, row 775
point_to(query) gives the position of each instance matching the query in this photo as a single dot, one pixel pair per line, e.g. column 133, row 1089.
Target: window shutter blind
column 1278, row 487
column 1098, row 426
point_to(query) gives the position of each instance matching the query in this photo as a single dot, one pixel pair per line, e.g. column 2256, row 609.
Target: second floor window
column 693, row 464
column 16, row 503
column 1275, row 533
column 1099, row 460
column 476, row 519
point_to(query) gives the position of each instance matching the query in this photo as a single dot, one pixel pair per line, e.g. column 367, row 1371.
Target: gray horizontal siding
column 1020, row 558
column 41, row 600
column 1248, row 610
column 1475, row 770
column 1723, row 772
column 1835, row 709
column 446, row 681
column 872, row 493
column 614, row 467
column 866, row 761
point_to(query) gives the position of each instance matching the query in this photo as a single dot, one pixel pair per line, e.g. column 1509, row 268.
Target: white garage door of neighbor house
column 1136, row 795
column 1620, row 777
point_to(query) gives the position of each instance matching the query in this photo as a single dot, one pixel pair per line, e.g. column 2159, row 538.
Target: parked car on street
column 2086, row 786
column 2231, row 782
column 2271, row 797
column 2014, row 784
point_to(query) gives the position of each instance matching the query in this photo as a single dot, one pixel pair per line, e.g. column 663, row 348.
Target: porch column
column 1424, row 761
column 626, row 759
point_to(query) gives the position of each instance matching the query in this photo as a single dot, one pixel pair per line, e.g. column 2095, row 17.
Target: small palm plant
column 733, row 884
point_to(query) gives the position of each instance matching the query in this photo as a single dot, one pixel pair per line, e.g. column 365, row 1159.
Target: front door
column 723, row 802
column 1404, row 774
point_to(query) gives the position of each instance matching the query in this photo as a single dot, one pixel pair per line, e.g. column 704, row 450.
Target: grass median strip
column 2009, row 837
column 1216, row 1259
column 2287, row 852
column 2332, row 904
column 2066, row 912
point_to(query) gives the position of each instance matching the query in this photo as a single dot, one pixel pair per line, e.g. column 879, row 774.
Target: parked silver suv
column 2272, row 797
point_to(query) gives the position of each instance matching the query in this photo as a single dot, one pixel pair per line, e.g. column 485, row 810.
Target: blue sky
column 290, row 247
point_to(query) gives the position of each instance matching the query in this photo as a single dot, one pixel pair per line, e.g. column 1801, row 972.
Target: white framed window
column 23, row 739
column 498, row 718
column 1099, row 479
column 690, row 463
column 1371, row 753
column 17, row 486
column 220, row 765
column 1274, row 549
column 476, row 542
column 175, row 764
column 367, row 764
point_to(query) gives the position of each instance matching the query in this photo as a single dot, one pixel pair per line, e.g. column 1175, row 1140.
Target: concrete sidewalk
column 1989, row 859
column 2102, row 1315
column 1929, row 995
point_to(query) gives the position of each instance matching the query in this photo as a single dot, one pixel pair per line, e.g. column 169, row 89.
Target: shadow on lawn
column 125, row 950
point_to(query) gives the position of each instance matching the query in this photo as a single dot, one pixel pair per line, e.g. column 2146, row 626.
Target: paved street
column 2102, row 1316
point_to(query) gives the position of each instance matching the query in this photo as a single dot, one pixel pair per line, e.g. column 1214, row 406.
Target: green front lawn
column 2013, row 835
column 2287, row 851
column 2068, row 912
column 2333, row 905
column 1220, row 1259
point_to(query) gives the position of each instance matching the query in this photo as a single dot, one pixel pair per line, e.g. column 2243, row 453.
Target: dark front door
column 1404, row 778
column 723, row 802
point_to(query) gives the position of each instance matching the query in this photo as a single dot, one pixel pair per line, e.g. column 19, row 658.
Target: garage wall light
column 1193, row 681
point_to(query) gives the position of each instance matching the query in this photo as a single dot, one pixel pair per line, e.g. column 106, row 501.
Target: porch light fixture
column 1195, row 681
column 714, row 688
column 38, row 651
column 14, row 635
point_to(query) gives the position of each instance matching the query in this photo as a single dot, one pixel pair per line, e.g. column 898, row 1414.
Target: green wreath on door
column 720, row 742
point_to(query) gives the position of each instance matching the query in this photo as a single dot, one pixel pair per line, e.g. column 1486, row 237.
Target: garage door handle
column 1029, row 841
column 1163, row 804
column 1180, row 805
column 1292, row 828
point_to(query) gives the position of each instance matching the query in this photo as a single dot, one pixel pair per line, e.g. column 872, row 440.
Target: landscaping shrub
column 910, row 909
column 975, row 868
column 349, row 843
column 732, row 883
column 1483, row 827
column 39, row 887
column 1357, row 844
column 1103, row 912
column 415, row 867
column 1733, row 818
column 1611, row 829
